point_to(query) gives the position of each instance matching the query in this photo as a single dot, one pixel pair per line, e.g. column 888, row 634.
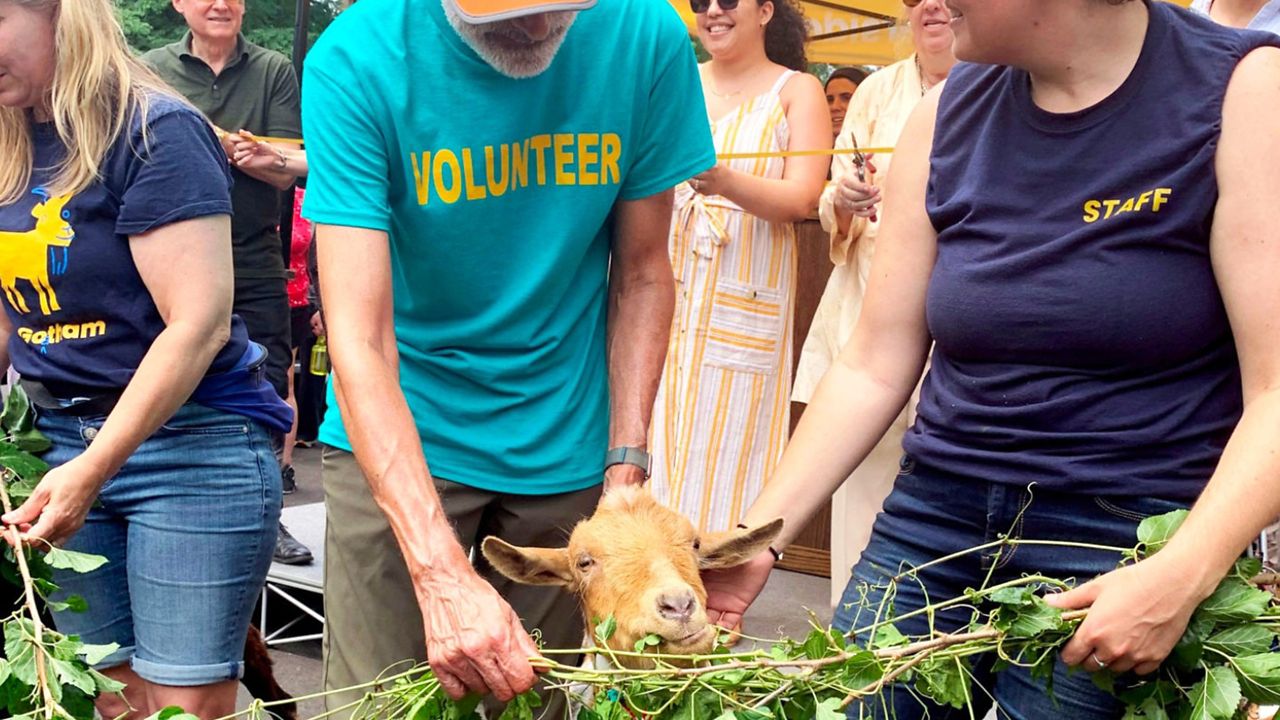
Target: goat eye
column 585, row 562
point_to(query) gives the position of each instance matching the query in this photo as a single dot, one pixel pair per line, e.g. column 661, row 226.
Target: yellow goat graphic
column 25, row 255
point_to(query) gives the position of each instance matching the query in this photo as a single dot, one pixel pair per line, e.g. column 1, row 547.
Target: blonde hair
column 98, row 90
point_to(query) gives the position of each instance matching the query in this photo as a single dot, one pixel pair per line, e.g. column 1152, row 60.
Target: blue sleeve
column 349, row 173
column 174, row 171
column 675, row 142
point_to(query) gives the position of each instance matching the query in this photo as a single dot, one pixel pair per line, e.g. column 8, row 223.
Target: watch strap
column 629, row 456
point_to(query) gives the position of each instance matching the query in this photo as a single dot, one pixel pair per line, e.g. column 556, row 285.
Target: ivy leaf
column 1216, row 696
column 72, row 560
column 105, row 684
column 94, row 654
column 888, row 635
column 829, row 709
column 1154, row 532
column 1246, row 639
column 605, row 629
column 1150, row 709
column 18, row 423
column 862, row 669
column 1029, row 620
column 1234, row 601
column 1246, row 568
column 517, row 709
column 465, row 709
column 1190, row 648
column 73, row 674
column 839, row 639
column 816, row 646
column 21, row 463
column 20, row 650
column 1021, row 595
column 649, row 640
column 945, row 681
column 1260, row 677
column 779, row 652
column 4, row 670
column 173, row 712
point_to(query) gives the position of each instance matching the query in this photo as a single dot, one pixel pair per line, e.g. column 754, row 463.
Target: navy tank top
column 1081, row 341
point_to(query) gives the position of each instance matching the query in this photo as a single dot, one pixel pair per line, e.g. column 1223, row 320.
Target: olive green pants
column 372, row 618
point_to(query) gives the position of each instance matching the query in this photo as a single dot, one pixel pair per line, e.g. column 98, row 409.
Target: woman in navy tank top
column 1082, row 227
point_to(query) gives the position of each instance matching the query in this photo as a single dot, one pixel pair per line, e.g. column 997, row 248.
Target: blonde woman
column 722, row 414
column 115, row 253
column 849, row 212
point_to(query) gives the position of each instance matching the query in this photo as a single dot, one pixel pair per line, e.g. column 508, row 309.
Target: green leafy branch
column 44, row 675
column 1223, row 662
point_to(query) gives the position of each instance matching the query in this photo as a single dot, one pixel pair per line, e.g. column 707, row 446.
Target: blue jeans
column 188, row 526
column 930, row 514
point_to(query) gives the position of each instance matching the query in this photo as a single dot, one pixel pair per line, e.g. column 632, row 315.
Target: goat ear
column 528, row 565
column 734, row 547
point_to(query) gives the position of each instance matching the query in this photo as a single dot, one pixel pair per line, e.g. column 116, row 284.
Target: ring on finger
column 1101, row 665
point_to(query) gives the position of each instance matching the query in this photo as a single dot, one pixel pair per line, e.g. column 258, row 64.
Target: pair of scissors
column 860, row 164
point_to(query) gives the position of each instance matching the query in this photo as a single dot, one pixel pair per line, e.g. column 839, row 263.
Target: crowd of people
column 547, row 266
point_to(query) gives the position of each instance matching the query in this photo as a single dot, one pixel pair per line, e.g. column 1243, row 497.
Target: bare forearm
column 279, row 179
column 174, row 365
column 640, row 310
column 388, row 449
column 1241, row 499
column 784, row 201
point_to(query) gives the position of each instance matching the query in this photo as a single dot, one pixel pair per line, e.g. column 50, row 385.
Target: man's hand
column 622, row 475
column 317, row 324
column 1136, row 616
column 732, row 590
column 475, row 642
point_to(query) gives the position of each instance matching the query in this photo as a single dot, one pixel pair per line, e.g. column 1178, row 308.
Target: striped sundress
column 722, row 413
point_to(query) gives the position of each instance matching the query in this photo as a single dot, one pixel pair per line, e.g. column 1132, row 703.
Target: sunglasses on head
column 700, row 6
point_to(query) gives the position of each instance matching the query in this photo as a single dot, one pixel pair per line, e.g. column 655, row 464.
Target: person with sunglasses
column 721, row 416
column 848, row 211
column 1081, row 228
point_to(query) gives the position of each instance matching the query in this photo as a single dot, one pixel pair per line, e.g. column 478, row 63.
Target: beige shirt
column 877, row 113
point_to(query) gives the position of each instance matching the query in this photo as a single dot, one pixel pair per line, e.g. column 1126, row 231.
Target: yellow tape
column 804, row 153
column 726, row 156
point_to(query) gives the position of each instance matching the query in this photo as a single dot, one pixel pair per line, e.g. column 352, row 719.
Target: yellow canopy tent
column 850, row 32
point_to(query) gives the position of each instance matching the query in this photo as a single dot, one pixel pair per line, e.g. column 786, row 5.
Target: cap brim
column 486, row 11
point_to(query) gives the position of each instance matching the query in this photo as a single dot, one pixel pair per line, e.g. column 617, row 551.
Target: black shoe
column 288, row 483
column 289, row 551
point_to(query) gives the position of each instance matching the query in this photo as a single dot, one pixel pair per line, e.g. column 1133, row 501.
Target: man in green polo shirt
column 242, row 86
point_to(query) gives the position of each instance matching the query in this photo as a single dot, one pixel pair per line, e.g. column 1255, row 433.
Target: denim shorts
column 931, row 514
column 188, row 526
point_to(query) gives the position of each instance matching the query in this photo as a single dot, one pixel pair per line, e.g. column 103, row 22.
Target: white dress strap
column 782, row 80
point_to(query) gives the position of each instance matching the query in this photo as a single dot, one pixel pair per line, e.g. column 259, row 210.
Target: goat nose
column 676, row 605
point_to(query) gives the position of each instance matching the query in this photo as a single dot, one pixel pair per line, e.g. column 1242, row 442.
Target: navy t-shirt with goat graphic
column 82, row 317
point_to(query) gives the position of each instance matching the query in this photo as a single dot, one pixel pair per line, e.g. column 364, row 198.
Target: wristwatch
column 629, row 456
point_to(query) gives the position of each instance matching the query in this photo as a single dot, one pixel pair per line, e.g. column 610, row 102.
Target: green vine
column 1224, row 661
column 44, row 674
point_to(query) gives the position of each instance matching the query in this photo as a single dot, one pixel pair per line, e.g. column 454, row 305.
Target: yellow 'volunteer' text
column 564, row 159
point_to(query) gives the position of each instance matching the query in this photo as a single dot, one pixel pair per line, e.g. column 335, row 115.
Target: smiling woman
column 721, row 416
column 115, row 258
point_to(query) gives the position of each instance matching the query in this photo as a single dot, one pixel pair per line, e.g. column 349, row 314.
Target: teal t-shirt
column 497, row 197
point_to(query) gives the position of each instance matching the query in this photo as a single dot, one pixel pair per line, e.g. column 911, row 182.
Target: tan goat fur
column 638, row 562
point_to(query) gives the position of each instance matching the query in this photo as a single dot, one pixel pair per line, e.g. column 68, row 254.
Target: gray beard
column 518, row 64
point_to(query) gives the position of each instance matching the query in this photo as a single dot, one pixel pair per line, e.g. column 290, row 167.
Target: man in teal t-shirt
column 491, row 183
